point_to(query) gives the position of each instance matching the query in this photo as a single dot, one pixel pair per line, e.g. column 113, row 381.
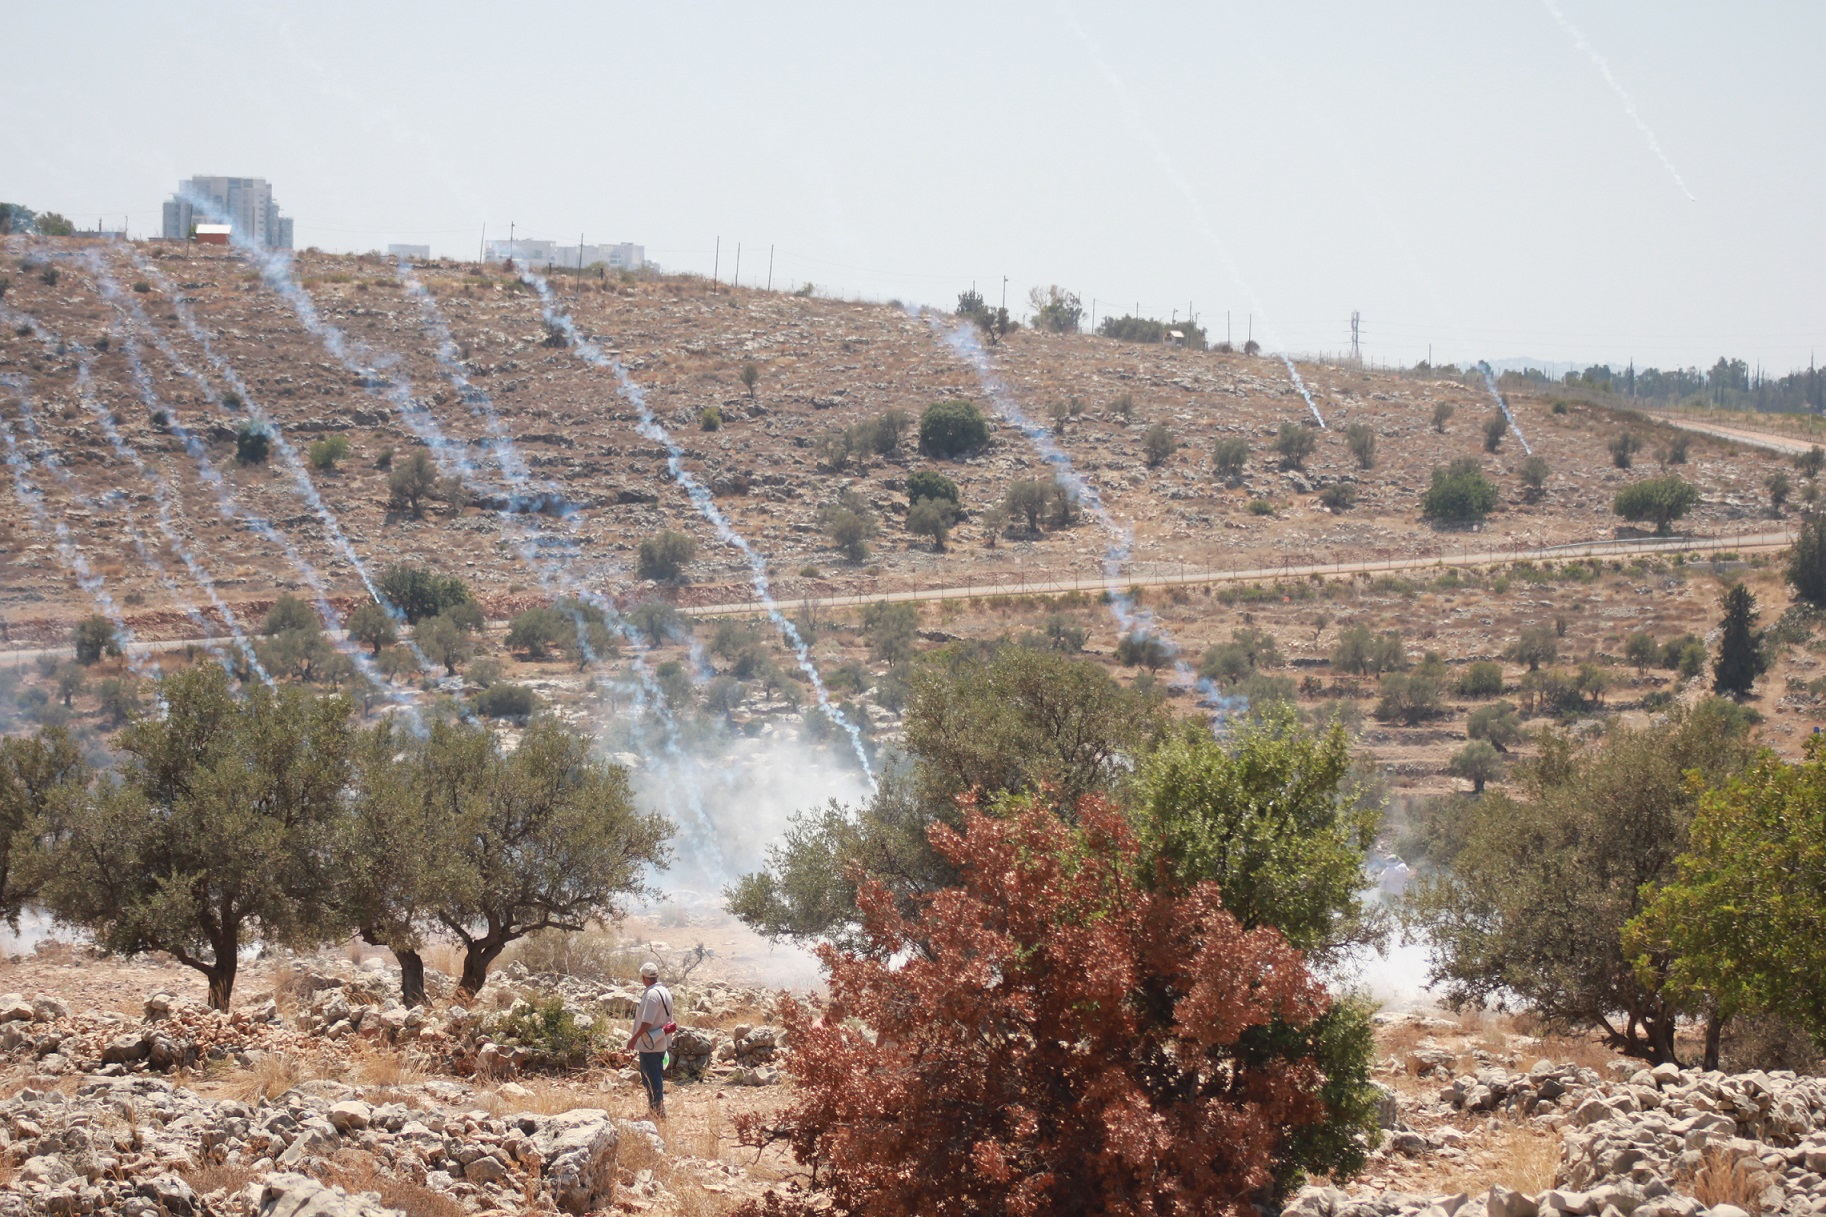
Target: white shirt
column 655, row 1008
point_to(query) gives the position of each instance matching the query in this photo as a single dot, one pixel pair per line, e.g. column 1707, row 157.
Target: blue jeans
column 653, row 1077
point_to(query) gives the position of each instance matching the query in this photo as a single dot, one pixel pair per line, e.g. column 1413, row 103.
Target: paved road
column 1629, row 547
column 1768, row 441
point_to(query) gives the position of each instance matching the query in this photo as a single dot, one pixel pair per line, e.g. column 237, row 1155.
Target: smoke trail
column 1502, row 405
column 1130, row 617
column 302, row 484
column 162, row 492
column 706, row 506
column 1205, row 227
column 1629, row 103
column 555, row 578
column 67, row 550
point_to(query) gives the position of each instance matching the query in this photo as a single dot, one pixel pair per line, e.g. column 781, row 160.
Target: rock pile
column 122, row 1145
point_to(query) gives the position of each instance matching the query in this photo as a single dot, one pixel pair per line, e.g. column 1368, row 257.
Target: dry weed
column 357, row 1171
column 1517, row 1156
column 1727, row 1178
column 380, row 1067
column 271, row 1075
column 214, row 1177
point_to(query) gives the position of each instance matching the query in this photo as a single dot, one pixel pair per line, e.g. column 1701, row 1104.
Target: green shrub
column 1623, row 449
column 504, row 701
column 1442, row 414
column 1481, row 679
column 327, row 450
column 1532, row 473
column 950, row 429
column 1339, row 496
column 710, row 418
column 1295, row 442
column 1408, row 698
column 94, row 637
column 1460, row 494
column 1228, row 457
column 1495, row 427
column 419, row 592
column 1260, row 507
column 550, row 1034
column 664, row 556
column 1659, row 500
column 930, row 484
column 253, row 444
column 1157, row 445
column 1360, row 438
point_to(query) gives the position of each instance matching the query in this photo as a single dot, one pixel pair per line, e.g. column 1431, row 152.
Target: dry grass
column 380, row 1067
column 1517, row 1156
column 357, row 1171
column 548, row 1098
column 214, row 1177
column 272, row 1075
column 1727, row 1178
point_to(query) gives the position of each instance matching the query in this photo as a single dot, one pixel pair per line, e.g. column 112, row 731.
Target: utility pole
column 716, row 263
column 1004, row 293
column 579, row 258
column 1227, row 334
column 770, row 268
column 1356, row 351
column 736, row 281
column 482, row 252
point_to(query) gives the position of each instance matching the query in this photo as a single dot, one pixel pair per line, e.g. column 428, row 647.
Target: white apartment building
column 547, row 254
column 246, row 202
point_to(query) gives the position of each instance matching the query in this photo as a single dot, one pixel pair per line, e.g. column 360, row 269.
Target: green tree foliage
column 94, row 637
column 542, row 837
column 418, row 592
column 664, row 556
column 1477, row 763
column 1027, row 500
column 1495, row 428
column 1360, row 438
column 253, row 443
column 1660, row 500
column 1362, row 653
column 1339, row 496
column 1676, row 451
column 1460, row 494
column 1641, row 650
column 1623, row 449
column 51, row 224
column 952, row 429
column 932, row 518
column 849, row 524
column 993, row 322
column 506, row 701
column 1527, row 890
column 1249, row 651
column 1742, row 652
column 1806, row 570
column 32, row 771
column 1157, row 445
column 751, row 376
column 411, row 482
column 1442, row 414
column 1143, row 649
column 288, row 613
column 1532, row 473
column 540, row 631
column 296, row 645
column 1408, row 697
column 891, row 627
column 1779, row 488
column 373, row 627
column 70, row 681
column 1738, row 927
column 1496, row 725
column 220, row 825
column 1055, row 310
column 659, row 622
column 1538, row 644
column 1228, row 456
column 444, row 640
column 710, row 418
column 1294, row 443
column 1810, row 462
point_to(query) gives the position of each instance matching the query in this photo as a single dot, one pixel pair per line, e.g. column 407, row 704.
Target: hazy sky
column 1460, row 171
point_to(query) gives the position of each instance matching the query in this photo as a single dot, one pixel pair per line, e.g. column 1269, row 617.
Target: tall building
column 528, row 252
column 247, row 202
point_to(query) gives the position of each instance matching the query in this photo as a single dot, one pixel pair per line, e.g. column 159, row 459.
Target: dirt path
column 1738, row 435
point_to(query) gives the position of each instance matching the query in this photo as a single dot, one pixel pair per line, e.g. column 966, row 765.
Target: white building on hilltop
column 247, row 202
column 547, row 254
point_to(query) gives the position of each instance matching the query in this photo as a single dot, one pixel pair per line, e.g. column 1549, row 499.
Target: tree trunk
column 221, row 982
column 477, row 956
column 411, row 977
column 1715, row 1025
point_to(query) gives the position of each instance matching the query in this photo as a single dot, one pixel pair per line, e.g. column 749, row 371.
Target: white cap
column 649, row 969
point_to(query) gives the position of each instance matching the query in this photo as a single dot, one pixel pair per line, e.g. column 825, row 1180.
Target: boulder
column 125, row 1050
column 15, row 1009
column 578, row 1151
column 350, row 1115
column 288, row 1195
column 1504, row 1202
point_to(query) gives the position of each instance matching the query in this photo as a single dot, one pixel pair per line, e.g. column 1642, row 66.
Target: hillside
column 166, row 341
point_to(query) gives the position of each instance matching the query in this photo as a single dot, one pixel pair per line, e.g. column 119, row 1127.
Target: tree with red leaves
column 1072, row 1035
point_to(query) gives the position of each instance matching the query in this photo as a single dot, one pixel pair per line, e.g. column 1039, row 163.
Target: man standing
column 653, row 1027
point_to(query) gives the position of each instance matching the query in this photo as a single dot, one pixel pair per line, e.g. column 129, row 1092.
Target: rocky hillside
column 129, row 371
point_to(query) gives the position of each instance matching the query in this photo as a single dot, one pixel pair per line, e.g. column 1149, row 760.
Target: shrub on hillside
column 253, row 443
column 94, row 637
column 950, row 429
column 1658, row 500
column 1806, row 570
column 1294, row 443
column 1339, row 496
column 1360, row 438
column 1408, row 698
column 1442, row 414
column 1460, row 494
column 327, row 450
column 420, row 592
column 505, row 700
column 1495, row 427
column 1623, row 449
column 1228, row 456
column 1157, row 445
column 411, row 482
column 1481, row 679
column 930, row 484
column 1532, row 473
column 1050, row 935
column 664, row 556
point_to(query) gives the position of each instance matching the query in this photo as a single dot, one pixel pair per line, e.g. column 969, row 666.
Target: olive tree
column 217, row 829
column 543, row 837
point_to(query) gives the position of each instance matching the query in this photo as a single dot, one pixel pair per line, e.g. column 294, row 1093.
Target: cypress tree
column 1741, row 657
